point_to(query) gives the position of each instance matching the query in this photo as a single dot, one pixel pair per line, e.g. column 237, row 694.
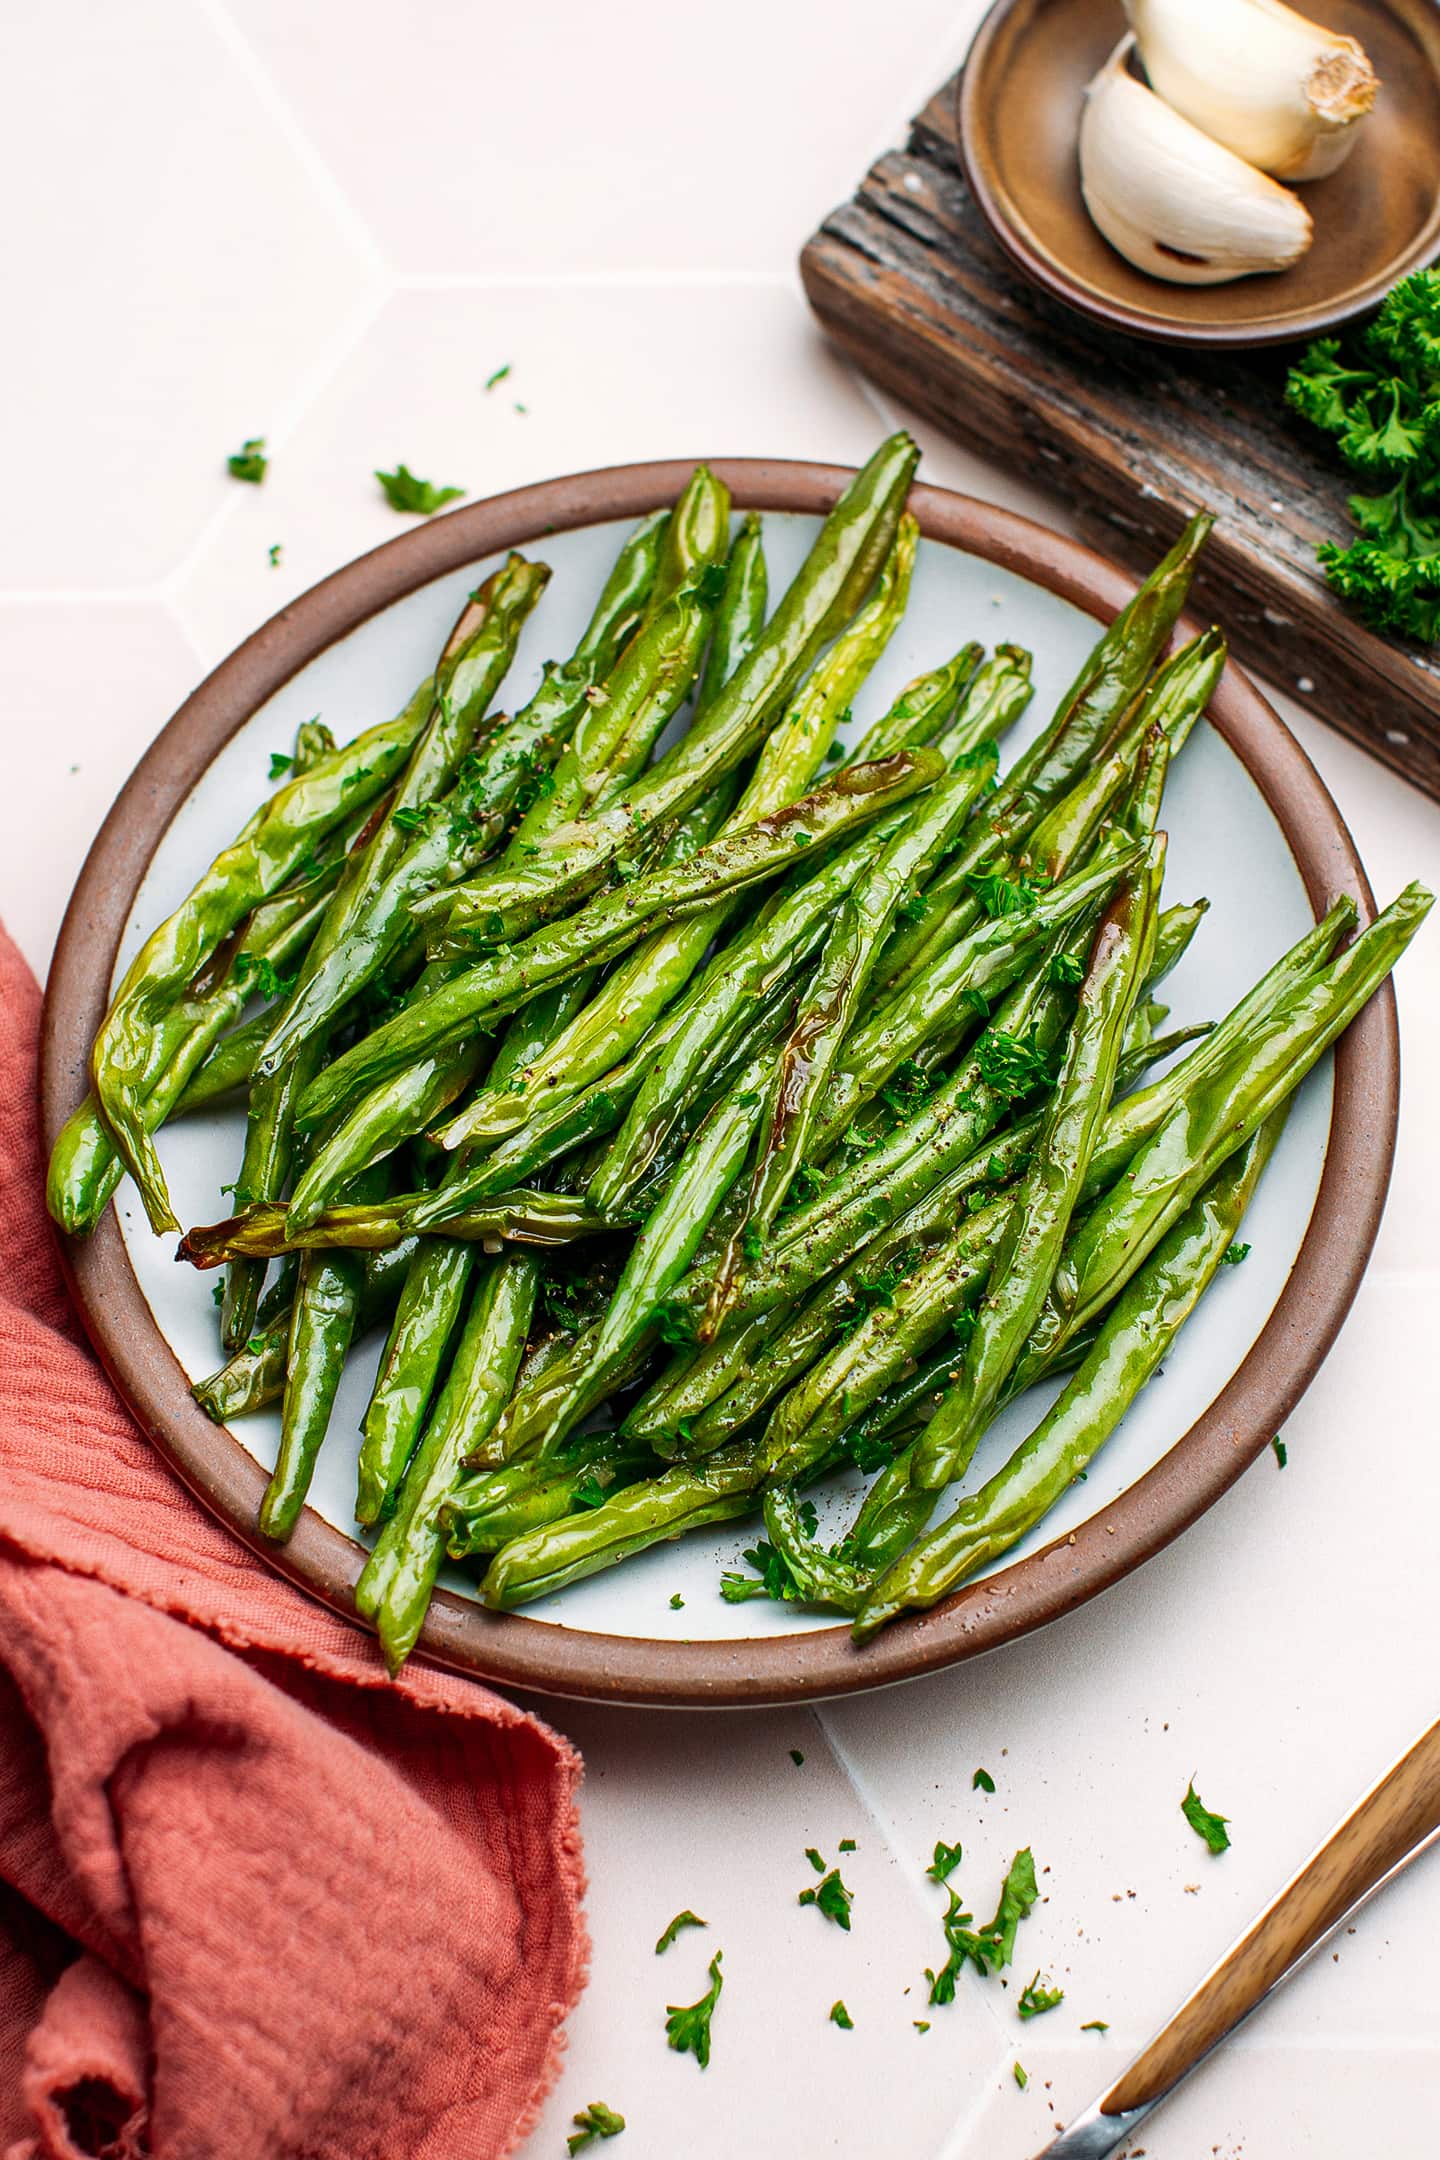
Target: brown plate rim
column 550, row 1659
column 1043, row 269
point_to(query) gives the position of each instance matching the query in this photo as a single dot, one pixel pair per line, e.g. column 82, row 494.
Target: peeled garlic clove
column 1172, row 201
column 1282, row 93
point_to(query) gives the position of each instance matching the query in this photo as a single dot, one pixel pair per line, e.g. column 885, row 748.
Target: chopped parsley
column 831, row 1898
column 847, row 1844
column 279, row 764
column 796, row 1757
column 921, row 2024
column 676, row 1324
column 499, row 376
column 595, row 2121
column 1095, row 2025
column 676, row 1601
column 977, row 1003
column 840, row 2016
column 1282, row 1453
column 274, row 554
column 814, row 1859
column 1020, row 2075
column 982, row 1782
column 217, row 1294
column 752, row 1243
column 911, row 909
column 1203, row 1822
column 1010, row 1064
column 267, row 980
column 590, row 1492
column 1035, row 2000
column 1233, row 1255
column 249, row 462
column 947, row 1859
column 687, row 2029
column 411, row 817
column 686, row 1919
column 772, row 1577
column 1066, row 968
column 419, row 498
column 989, row 1948
column 999, row 895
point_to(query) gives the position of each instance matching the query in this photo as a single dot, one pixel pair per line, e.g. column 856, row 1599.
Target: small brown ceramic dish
column 1375, row 219
column 633, row 1668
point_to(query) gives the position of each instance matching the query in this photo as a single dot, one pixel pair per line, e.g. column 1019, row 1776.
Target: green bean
column 396, row 1583
column 922, row 708
column 990, row 704
column 84, row 1170
column 1134, row 1340
column 129, row 1050
column 228, row 1067
column 261, row 1232
column 846, row 556
column 435, row 1288
column 1029, row 1251
column 486, row 1512
column 1216, row 1116
column 695, row 536
column 985, row 961
column 828, row 1009
column 322, row 1324
column 1173, row 933
column 610, row 924
column 937, row 1286
column 681, row 1499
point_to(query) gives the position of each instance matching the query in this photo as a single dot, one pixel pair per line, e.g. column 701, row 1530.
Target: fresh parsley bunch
column 1382, row 405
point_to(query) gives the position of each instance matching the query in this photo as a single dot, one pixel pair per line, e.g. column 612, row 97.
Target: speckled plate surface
column 1251, row 827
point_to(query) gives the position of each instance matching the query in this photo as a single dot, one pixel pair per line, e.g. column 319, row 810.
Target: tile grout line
column 228, row 31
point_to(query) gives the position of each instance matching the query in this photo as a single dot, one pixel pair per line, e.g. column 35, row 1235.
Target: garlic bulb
column 1282, row 93
column 1172, row 201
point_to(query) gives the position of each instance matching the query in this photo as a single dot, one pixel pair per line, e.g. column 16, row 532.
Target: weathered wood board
column 907, row 278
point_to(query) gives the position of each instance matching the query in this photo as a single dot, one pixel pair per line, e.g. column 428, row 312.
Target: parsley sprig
column 1380, row 399
column 595, row 2121
column 1204, row 1822
column 420, row 498
column 991, row 1947
column 687, row 2027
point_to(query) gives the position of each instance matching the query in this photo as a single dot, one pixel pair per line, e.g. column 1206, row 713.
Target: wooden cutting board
column 907, row 278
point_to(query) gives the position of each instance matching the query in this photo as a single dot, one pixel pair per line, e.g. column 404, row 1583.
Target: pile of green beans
column 700, row 1106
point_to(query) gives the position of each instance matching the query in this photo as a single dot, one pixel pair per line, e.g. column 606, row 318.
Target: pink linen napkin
column 256, row 1901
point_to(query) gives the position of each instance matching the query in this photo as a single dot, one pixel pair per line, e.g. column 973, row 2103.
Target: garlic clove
column 1172, row 201
column 1283, row 93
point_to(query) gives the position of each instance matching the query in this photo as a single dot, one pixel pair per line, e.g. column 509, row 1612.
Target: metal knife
column 1398, row 1819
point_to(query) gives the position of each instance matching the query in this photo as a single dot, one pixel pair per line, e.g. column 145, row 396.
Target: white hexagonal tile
column 711, row 1813
column 189, row 270
column 605, row 374
column 579, row 139
column 1284, row 1690
column 88, row 685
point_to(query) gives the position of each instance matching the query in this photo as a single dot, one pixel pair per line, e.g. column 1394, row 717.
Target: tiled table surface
column 329, row 225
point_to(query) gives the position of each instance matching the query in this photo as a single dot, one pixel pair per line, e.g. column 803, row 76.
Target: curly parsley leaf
column 1011, row 1064
column 947, row 1859
column 1204, row 1822
column 420, row 498
column 687, row 2027
column 595, row 2121
column 990, row 1948
column 999, row 895
column 1379, row 398
column 249, row 461
column 686, row 1919
column 830, row 1897
column 1036, row 2000
column 1066, row 967
column 1234, row 1255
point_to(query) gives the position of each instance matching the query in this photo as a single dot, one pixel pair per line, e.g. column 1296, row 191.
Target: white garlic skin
column 1283, row 93
column 1171, row 200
